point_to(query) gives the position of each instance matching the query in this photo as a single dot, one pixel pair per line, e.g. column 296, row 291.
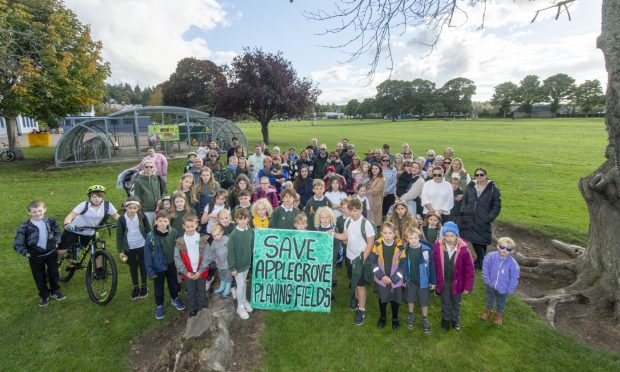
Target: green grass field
column 536, row 163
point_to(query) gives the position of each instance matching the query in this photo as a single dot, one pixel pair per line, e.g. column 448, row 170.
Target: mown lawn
column 536, row 164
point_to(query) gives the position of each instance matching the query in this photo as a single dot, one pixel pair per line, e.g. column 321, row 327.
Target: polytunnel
column 127, row 134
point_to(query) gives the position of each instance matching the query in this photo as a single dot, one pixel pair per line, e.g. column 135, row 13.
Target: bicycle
column 6, row 154
column 101, row 271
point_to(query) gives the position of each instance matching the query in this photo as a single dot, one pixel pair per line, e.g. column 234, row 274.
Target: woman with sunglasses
column 437, row 195
column 481, row 205
column 158, row 160
column 389, row 174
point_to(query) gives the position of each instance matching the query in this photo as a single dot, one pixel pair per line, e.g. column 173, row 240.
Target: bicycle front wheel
column 101, row 280
column 66, row 267
column 8, row 155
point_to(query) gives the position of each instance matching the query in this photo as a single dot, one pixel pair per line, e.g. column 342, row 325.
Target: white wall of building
column 25, row 125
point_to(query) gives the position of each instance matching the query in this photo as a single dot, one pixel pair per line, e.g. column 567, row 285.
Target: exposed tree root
column 540, row 268
column 570, row 249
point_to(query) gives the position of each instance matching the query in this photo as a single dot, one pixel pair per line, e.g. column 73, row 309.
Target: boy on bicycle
column 84, row 217
column 37, row 239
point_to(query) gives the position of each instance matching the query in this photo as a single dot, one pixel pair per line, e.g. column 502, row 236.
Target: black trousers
column 169, row 275
column 383, row 309
column 135, row 260
column 45, row 270
column 481, row 251
column 388, row 201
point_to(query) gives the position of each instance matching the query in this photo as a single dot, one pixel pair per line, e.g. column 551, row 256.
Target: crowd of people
column 399, row 221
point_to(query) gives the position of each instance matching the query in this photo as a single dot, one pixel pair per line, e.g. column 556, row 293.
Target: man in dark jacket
column 480, row 206
column 319, row 162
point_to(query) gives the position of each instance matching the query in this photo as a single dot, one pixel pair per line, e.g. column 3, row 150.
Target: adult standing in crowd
column 256, row 162
column 233, row 147
column 448, row 152
column 303, row 185
column 319, row 162
column 213, row 161
column 386, row 152
column 347, row 155
column 409, row 186
column 159, row 160
column 196, row 169
column 376, row 157
column 315, row 148
column 456, row 170
column 304, row 161
column 481, row 205
column 430, row 160
column 375, row 192
column 437, row 194
column 334, row 160
column 389, row 174
column 149, row 188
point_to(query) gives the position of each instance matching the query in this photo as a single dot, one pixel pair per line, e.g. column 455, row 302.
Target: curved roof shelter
column 124, row 135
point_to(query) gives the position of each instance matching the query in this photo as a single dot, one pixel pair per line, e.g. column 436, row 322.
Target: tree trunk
column 264, row 129
column 11, row 132
column 600, row 265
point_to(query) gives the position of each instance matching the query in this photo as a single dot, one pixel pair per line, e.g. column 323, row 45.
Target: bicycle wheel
column 66, row 267
column 8, row 155
column 101, row 281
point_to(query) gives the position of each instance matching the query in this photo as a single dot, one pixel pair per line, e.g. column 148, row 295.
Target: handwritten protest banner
column 292, row 270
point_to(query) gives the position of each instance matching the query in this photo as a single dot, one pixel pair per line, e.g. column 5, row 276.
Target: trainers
column 242, row 313
column 135, row 293
column 58, row 296
column 178, row 304
column 381, row 323
column 498, row 319
column 248, row 307
column 144, row 291
column 44, row 301
column 395, row 324
column 486, row 314
column 456, row 326
column 410, row 319
column 426, row 326
column 360, row 317
column 353, row 304
column 159, row 312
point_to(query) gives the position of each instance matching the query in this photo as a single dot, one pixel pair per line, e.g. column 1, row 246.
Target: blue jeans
column 493, row 296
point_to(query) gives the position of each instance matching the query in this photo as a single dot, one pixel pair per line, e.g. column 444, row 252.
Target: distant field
column 536, row 163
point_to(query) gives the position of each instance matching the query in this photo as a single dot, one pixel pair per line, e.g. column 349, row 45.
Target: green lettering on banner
column 292, row 270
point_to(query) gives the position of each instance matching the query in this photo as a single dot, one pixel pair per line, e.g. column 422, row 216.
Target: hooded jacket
column 479, row 212
column 501, row 274
column 463, row 275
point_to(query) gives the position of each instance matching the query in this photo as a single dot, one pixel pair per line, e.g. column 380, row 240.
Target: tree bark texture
column 264, row 129
column 600, row 266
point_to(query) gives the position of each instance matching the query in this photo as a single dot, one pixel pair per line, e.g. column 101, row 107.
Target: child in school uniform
column 388, row 260
column 325, row 221
column 455, row 274
column 224, row 219
column 159, row 263
column 131, row 230
column 500, row 272
column 240, row 245
column 219, row 246
column 37, row 239
column 301, row 222
column 180, row 208
column 361, row 196
column 431, row 227
column 317, row 201
column 218, row 203
column 283, row 217
column 244, row 201
column 421, row 277
column 340, row 221
column 191, row 257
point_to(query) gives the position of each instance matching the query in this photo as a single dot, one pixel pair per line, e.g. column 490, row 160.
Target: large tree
column 558, row 88
column 455, row 95
column 529, row 93
column 194, row 84
column 265, row 85
column 352, row 107
column 393, row 96
column 597, row 272
column 422, row 96
column 589, row 95
column 49, row 65
column 504, row 96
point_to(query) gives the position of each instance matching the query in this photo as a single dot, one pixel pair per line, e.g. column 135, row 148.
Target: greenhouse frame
column 124, row 135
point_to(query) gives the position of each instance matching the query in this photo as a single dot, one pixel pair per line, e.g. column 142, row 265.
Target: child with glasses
column 500, row 272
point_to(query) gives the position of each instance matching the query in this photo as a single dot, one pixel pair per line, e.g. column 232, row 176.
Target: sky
column 144, row 39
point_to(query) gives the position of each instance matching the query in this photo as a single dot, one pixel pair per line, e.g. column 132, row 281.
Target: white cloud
column 143, row 40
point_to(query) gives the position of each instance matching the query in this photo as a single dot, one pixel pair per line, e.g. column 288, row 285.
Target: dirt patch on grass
column 586, row 323
column 245, row 335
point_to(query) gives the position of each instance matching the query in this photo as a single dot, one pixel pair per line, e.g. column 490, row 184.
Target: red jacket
column 463, row 276
column 182, row 262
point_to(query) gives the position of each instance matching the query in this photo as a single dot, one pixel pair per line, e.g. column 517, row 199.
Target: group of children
column 193, row 236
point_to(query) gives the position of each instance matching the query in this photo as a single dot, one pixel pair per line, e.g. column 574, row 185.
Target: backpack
column 362, row 225
column 106, row 208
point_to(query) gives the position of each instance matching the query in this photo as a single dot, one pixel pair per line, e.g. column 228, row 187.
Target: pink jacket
column 161, row 164
column 463, row 277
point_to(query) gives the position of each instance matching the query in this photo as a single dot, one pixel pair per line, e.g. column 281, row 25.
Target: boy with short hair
column 359, row 235
column 301, row 222
column 244, row 201
column 240, row 245
column 159, row 263
column 500, row 272
column 340, row 221
column 283, row 217
column 317, row 201
column 192, row 258
column 37, row 239
column 421, row 277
